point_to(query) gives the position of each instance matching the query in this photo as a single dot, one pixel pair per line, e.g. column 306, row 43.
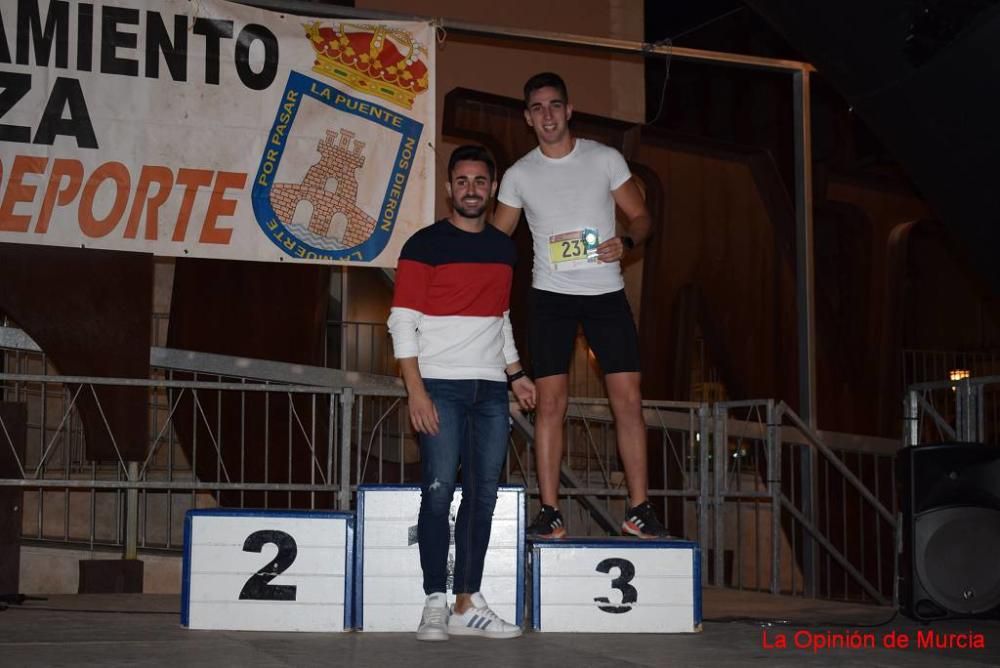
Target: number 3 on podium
column 626, row 571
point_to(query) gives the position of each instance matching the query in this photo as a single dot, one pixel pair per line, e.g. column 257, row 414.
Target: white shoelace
column 435, row 616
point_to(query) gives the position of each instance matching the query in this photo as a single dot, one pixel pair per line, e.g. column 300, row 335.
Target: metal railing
column 728, row 475
column 386, row 451
column 966, row 409
column 72, row 499
column 928, row 366
column 591, row 472
column 361, row 346
column 723, row 472
column 799, row 511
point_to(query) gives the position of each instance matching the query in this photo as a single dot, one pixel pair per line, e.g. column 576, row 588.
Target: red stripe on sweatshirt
column 460, row 288
column 412, row 279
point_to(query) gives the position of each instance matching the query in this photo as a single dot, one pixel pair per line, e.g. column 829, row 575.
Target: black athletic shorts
column 607, row 324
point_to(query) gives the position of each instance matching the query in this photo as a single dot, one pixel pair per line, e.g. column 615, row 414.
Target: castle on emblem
column 373, row 59
column 326, row 200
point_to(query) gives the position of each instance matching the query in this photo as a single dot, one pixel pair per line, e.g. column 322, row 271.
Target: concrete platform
column 144, row 630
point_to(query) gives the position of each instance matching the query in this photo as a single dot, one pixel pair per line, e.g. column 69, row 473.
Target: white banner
column 204, row 128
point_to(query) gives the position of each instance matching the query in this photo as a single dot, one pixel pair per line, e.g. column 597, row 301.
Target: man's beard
column 467, row 212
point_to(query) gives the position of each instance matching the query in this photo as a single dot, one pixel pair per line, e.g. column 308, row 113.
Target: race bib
column 574, row 250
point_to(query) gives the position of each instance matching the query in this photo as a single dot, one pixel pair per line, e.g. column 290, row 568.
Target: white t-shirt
column 563, row 198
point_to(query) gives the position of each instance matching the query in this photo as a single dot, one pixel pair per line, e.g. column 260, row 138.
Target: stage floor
column 740, row 628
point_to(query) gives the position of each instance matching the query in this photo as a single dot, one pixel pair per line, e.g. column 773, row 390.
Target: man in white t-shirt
column 568, row 189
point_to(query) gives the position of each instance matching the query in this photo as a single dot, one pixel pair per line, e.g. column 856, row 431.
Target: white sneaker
column 434, row 621
column 479, row 620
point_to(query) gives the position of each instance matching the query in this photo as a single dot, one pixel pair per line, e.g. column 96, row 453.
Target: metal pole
column 961, row 408
column 544, row 36
column 805, row 299
column 911, row 419
column 132, row 514
column 346, row 406
column 804, row 280
column 330, row 429
column 704, row 415
column 343, row 318
column 970, row 418
column 971, row 412
column 980, row 399
column 774, row 486
column 719, row 438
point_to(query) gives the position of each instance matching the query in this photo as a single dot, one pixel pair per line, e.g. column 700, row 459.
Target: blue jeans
column 474, row 427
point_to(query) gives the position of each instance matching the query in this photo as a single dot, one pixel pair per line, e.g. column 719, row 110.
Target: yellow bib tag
column 573, row 250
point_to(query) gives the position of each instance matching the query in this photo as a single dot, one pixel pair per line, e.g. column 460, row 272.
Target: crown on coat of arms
column 373, row 59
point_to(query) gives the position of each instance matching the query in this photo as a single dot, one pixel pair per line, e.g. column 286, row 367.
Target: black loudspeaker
column 949, row 544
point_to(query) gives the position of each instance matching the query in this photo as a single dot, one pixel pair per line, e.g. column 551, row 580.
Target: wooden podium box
column 258, row 570
column 616, row 585
column 389, row 595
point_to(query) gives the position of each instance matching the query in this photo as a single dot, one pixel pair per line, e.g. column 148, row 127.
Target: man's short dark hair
column 545, row 80
column 475, row 153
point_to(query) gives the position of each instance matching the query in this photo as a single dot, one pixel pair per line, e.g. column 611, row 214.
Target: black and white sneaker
column 548, row 524
column 642, row 522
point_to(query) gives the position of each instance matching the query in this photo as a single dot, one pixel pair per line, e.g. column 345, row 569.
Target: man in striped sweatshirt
column 451, row 333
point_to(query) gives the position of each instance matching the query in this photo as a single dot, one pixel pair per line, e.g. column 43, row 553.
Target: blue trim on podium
column 259, row 512
column 359, row 563
column 186, row 576
column 225, row 512
column 536, row 589
column 696, row 584
column 519, row 596
column 626, row 543
column 349, row 575
column 396, row 487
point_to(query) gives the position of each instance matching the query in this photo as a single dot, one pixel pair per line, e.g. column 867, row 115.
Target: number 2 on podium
column 258, row 587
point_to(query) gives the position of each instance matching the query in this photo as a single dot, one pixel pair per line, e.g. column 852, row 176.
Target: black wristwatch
column 628, row 242
column 520, row 373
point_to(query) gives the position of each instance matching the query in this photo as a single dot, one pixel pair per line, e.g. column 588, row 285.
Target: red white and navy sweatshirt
column 451, row 307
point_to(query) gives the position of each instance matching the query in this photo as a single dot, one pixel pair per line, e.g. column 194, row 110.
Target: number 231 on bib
column 574, row 250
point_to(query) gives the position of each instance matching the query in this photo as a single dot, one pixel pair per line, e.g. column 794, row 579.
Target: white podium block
column 259, row 570
column 389, row 593
column 616, row 585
